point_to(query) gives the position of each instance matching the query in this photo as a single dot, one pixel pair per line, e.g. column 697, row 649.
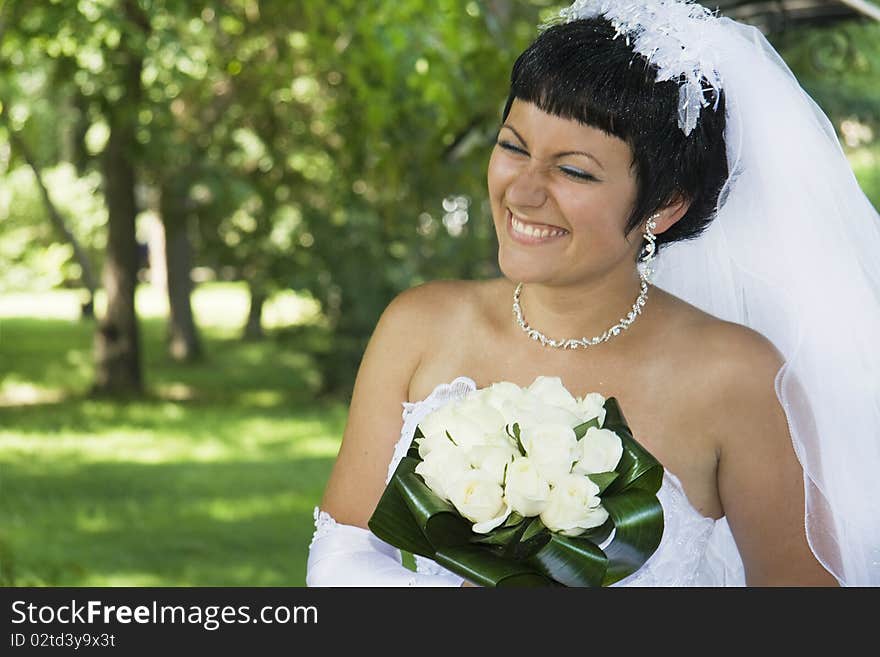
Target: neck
column 583, row 309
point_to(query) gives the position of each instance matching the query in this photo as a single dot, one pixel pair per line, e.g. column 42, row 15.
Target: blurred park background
column 204, row 208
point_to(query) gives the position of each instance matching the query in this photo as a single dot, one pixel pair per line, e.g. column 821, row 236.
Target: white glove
column 346, row 555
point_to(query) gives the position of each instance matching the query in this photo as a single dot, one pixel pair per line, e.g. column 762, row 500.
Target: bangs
column 594, row 79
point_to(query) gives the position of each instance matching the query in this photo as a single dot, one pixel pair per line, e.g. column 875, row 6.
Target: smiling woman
column 626, row 134
column 541, row 196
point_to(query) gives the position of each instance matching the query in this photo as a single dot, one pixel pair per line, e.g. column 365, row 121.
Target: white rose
column 525, row 490
column 535, row 413
column 573, row 506
column 465, row 430
column 491, row 459
column 590, row 406
column 505, row 397
column 479, row 411
column 549, row 390
column 497, row 394
column 441, row 467
column 600, row 451
column 429, row 443
column 553, row 448
column 480, row 499
column 433, row 427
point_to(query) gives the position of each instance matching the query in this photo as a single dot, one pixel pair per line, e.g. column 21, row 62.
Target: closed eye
column 577, row 174
column 506, row 145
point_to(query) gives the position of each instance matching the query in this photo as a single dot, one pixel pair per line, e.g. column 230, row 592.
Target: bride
column 663, row 187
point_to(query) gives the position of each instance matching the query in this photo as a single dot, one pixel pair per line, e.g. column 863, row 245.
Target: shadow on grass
column 53, row 354
column 168, row 524
column 208, row 481
column 196, row 419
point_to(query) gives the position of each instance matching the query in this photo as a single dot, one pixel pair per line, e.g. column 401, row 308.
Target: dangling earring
column 650, row 249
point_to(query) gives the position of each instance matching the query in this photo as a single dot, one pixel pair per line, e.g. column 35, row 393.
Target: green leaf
column 581, row 429
column 637, row 467
column 516, row 436
column 501, row 536
column 638, row 528
column 439, row 520
column 487, row 569
column 534, row 528
column 571, row 561
column 393, row 523
column 534, row 537
column 603, row 479
column 513, row 519
column 599, row 534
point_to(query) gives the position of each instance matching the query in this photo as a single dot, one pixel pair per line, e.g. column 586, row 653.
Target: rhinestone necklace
column 572, row 343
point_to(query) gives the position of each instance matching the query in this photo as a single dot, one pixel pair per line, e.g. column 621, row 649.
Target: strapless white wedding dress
column 694, row 550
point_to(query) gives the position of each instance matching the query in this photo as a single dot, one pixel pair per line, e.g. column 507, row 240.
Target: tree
column 55, row 216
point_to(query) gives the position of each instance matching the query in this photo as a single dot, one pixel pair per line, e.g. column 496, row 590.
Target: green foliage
column 839, row 67
column 34, row 256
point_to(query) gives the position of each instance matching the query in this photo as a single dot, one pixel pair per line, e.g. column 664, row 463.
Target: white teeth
column 531, row 231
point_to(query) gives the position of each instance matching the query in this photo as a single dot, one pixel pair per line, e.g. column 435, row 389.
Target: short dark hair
column 579, row 70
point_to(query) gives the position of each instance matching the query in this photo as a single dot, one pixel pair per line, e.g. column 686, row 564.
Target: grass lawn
column 209, row 481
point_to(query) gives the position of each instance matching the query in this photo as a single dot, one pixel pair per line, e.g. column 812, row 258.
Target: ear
column 671, row 213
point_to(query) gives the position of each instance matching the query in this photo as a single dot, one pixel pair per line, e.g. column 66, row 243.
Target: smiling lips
column 532, row 233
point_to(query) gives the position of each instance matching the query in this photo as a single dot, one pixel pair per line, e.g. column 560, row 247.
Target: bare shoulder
column 730, row 371
column 404, row 332
column 433, row 312
column 736, row 354
column 428, row 302
column 743, row 354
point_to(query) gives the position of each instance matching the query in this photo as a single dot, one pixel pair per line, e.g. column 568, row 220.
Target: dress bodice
column 694, row 550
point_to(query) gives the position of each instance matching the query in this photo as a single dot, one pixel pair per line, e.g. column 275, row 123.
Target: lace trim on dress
column 413, row 412
column 324, row 524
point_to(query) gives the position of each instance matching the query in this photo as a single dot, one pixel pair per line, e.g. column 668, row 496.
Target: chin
column 519, row 269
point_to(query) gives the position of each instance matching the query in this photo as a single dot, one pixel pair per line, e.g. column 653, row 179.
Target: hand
column 467, row 583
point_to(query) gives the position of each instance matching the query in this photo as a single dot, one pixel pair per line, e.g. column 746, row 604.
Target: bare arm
column 346, row 553
column 760, row 479
column 374, row 417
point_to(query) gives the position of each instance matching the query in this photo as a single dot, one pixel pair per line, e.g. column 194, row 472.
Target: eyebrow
column 519, row 136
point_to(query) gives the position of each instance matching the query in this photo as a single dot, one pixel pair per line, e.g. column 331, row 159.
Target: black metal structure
column 772, row 16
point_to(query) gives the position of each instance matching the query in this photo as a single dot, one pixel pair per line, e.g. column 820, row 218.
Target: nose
column 527, row 188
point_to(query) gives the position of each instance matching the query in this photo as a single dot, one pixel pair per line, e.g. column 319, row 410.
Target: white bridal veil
column 794, row 253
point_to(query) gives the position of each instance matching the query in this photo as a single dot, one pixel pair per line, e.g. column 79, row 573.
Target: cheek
column 599, row 216
column 499, row 174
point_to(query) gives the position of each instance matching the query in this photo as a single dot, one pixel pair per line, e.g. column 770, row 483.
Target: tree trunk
column 117, row 339
column 253, row 328
column 183, row 337
column 78, row 152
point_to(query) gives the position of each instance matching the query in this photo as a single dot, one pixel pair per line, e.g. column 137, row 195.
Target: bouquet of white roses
column 520, row 486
